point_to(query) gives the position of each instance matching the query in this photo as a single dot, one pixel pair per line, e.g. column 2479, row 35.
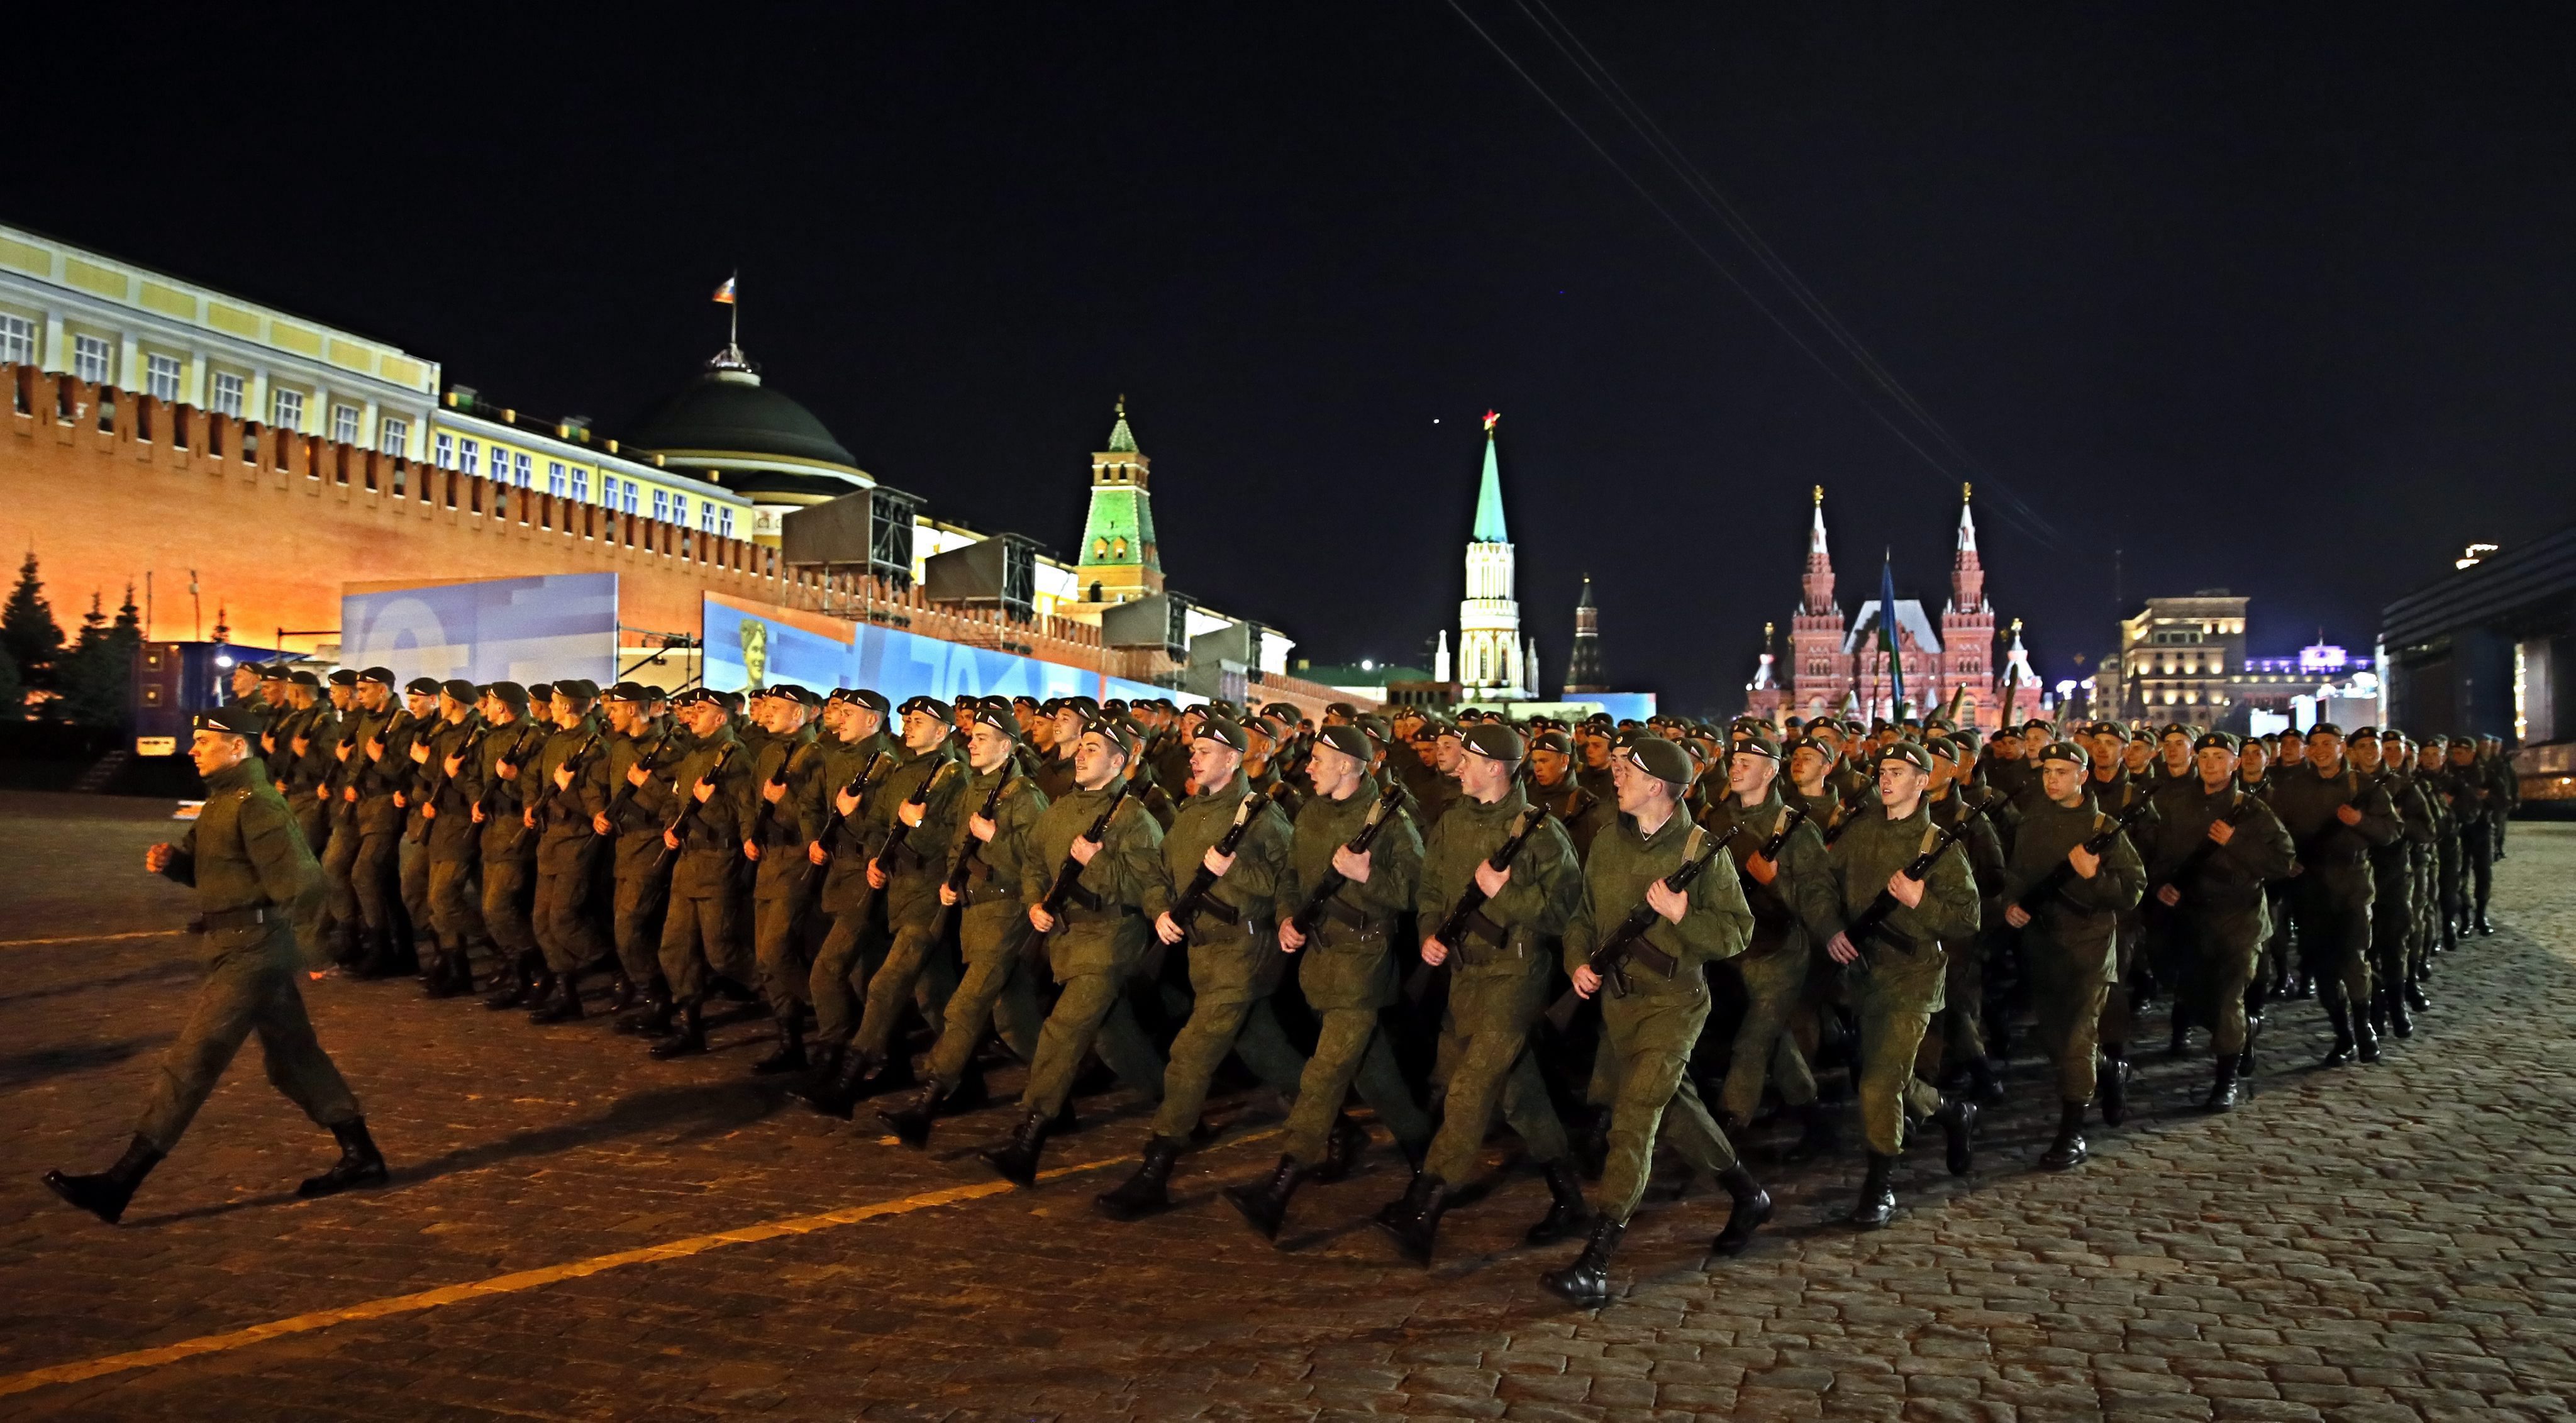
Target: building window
column 160, row 376
column 706, row 516
column 469, row 453
column 344, row 424
column 608, row 491
column 17, row 341
column 90, row 359
column 228, row 394
column 521, row 469
column 580, row 485
column 630, row 497
column 286, row 410
column 555, row 478
column 443, row 449
column 397, row 437
column 661, row 504
column 724, row 522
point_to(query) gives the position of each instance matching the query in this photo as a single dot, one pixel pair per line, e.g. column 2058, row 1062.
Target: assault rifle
column 1303, row 921
column 857, row 790
column 1185, row 910
column 2200, row 854
column 1471, row 901
column 2063, row 872
column 1874, row 915
column 955, row 883
column 1609, row 959
column 889, row 853
column 1848, row 810
column 687, row 820
column 1069, row 873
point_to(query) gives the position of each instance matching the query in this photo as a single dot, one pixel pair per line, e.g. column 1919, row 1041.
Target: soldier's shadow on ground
column 173, row 970
column 20, row 1069
column 685, row 1113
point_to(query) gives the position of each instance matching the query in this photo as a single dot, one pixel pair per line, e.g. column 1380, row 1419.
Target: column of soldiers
column 1607, row 937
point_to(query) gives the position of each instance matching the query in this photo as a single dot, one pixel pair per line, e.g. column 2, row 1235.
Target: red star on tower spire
column 1490, row 417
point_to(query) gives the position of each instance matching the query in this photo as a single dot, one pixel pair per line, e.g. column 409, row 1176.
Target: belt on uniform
column 1351, row 919
column 1482, row 928
column 1218, row 910
column 218, row 919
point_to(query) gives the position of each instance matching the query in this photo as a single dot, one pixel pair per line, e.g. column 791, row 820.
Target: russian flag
column 724, row 293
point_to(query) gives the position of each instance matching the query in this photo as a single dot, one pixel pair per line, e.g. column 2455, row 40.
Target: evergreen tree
column 98, row 675
column 27, row 629
column 13, row 693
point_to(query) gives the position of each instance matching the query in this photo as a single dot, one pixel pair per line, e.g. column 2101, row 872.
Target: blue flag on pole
column 1887, row 631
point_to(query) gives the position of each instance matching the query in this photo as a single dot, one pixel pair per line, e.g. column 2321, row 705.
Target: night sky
column 2270, row 298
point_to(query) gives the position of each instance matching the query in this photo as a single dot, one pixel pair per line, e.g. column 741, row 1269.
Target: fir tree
column 27, row 629
column 97, row 673
column 13, row 693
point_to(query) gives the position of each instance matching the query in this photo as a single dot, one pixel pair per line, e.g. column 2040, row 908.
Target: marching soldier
column 1653, row 1016
column 2433, row 773
column 1504, row 957
column 2335, row 817
column 498, row 785
column 855, row 764
column 454, row 848
column 384, row 776
column 919, row 806
column 2392, row 887
column 635, row 804
column 1347, row 974
column 371, row 707
column 2117, row 786
column 786, row 822
column 1956, row 1039
column 257, row 889
column 308, row 743
column 1900, row 987
column 2476, row 802
column 1094, row 944
column 2209, row 855
column 1234, row 962
column 980, row 890
column 1552, row 784
column 562, row 800
column 703, row 928
column 417, row 931
column 1792, row 900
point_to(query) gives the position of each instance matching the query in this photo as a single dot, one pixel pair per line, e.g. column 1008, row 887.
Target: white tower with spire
column 1492, row 662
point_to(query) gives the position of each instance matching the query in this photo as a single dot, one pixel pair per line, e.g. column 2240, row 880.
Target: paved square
column 576, row 1232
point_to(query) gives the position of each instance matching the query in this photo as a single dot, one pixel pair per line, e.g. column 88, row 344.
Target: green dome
column 728, row 411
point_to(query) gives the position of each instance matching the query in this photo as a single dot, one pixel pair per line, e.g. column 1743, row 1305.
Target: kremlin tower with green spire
column 1493, row 663
column 1118, row 560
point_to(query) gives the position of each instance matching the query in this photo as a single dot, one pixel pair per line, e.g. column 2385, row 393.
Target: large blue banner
column 744, row 648
column 487, row 630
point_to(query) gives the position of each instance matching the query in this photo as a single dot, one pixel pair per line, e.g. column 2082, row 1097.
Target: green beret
column 231, row 721
column 508, row 694
column 381, row 676
column 1220, row 730
column 459, row 689
column 1553, row 740
column 1348, row 740
column 701, row 697
column 1117, row 733
column 625, row 692
column 1909, row 753
column 1495, row 741
column 421, row 686
column 2219, row 739
column 306, row 679
column 1000, row 719
column 2325, row 728
column 345, row 677
column 1755, row 742
column 1662, row 760
column 2067, row 751
column 274, row 672
column 932, row 707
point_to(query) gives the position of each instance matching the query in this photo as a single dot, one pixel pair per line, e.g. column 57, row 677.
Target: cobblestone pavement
column 2362, row 1244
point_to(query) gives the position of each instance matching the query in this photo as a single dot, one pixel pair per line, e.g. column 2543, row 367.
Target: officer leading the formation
column 258, row 892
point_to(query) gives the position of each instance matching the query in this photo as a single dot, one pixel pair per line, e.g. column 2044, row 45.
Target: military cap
column 701, row 697
column 868, row 697
column 1285, row 711
column 1115, row 706
column 1348, row 740
column 303, row 678
column 999, row 718
column 1376, row 726
column 624, row 692
column 344, row 677
column 1945, row 747
column 424, row 686
column 2490, row 738
column 996, row 701
column 1554, row 740
column 1221, row 730
column 805, row 697
column 733, row 702
column 2039, row 723
column 1025, row 700
column 651, row 692
column 580, row 689
column 2438, row 741
column 1601, row 720
column 2219, row 739
column 1267, row 725
column 1908, row 752
column 2390, row 733
column 2325, row 728
column 1803, row 742
column 461, row 690
column 231, row 721
column 931, row 707
column 541, row 691
column 272, row 672
column 1754, row 742
column 2174, row 728
column 2067, row 751
column 2107, row 728
column 508, row 694
column 1968, row 739
column 1495, row 741
column 1661, row 759
column 1343, row 710
column 1081, row 704
column 1119, row 734
column 381, row 676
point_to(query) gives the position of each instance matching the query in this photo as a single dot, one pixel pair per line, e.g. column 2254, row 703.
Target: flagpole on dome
column 731, row 358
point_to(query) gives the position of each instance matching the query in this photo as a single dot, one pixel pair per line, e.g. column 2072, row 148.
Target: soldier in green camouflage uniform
column 1347, row 974
column 636, row 804
column 2069, row 943
column 494, row 784
column 919, row 801
column 2209, row 857
column 858, row 757
column 1652, row 1018
column 454, row 844
column 980, row 889
column 257, row 886
column 1094, row 944
column 785, row 821
column 2335, row 816
column 704, row 929
column 1234, row 960
column 562, row 800
column 1901, row 985
column 1791, row 897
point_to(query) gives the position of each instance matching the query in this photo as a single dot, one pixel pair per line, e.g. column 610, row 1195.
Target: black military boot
column 1585, row 1284
column 378, row 959
column 105, row 1194
column 2114, row 1075
column 2484, row 928
column 972, row 1091
column 2245, row 1057
column 2341, row 1052
column 2365, row 1042
column 1958, row 1119
column 622, row 994
column 1751, row 1209
column 360, row 1164
column 2416, row 1000
column 651, row 1018
column 2067, row 1152
column 789, row 1055
column 346, row 948
column 836, row 1094
column 2304, row 986
column 1017, row 1161
column 1877, row 1203
column 565, row 1005
column 2377, row 1014
column 1985, row 1085
column 2222, row 1093
column 1816, row 1135
column 688, row 1035
column 2450, row 933
column 515, row 986
column 892, row 1073
column 1566, row 1212
column 1144, row 1193
column 2395, row 1002
column 1416, row 1228
column 910, row 1119
column 446, row 971
column 1266, row 1205
column 1341, row 1150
